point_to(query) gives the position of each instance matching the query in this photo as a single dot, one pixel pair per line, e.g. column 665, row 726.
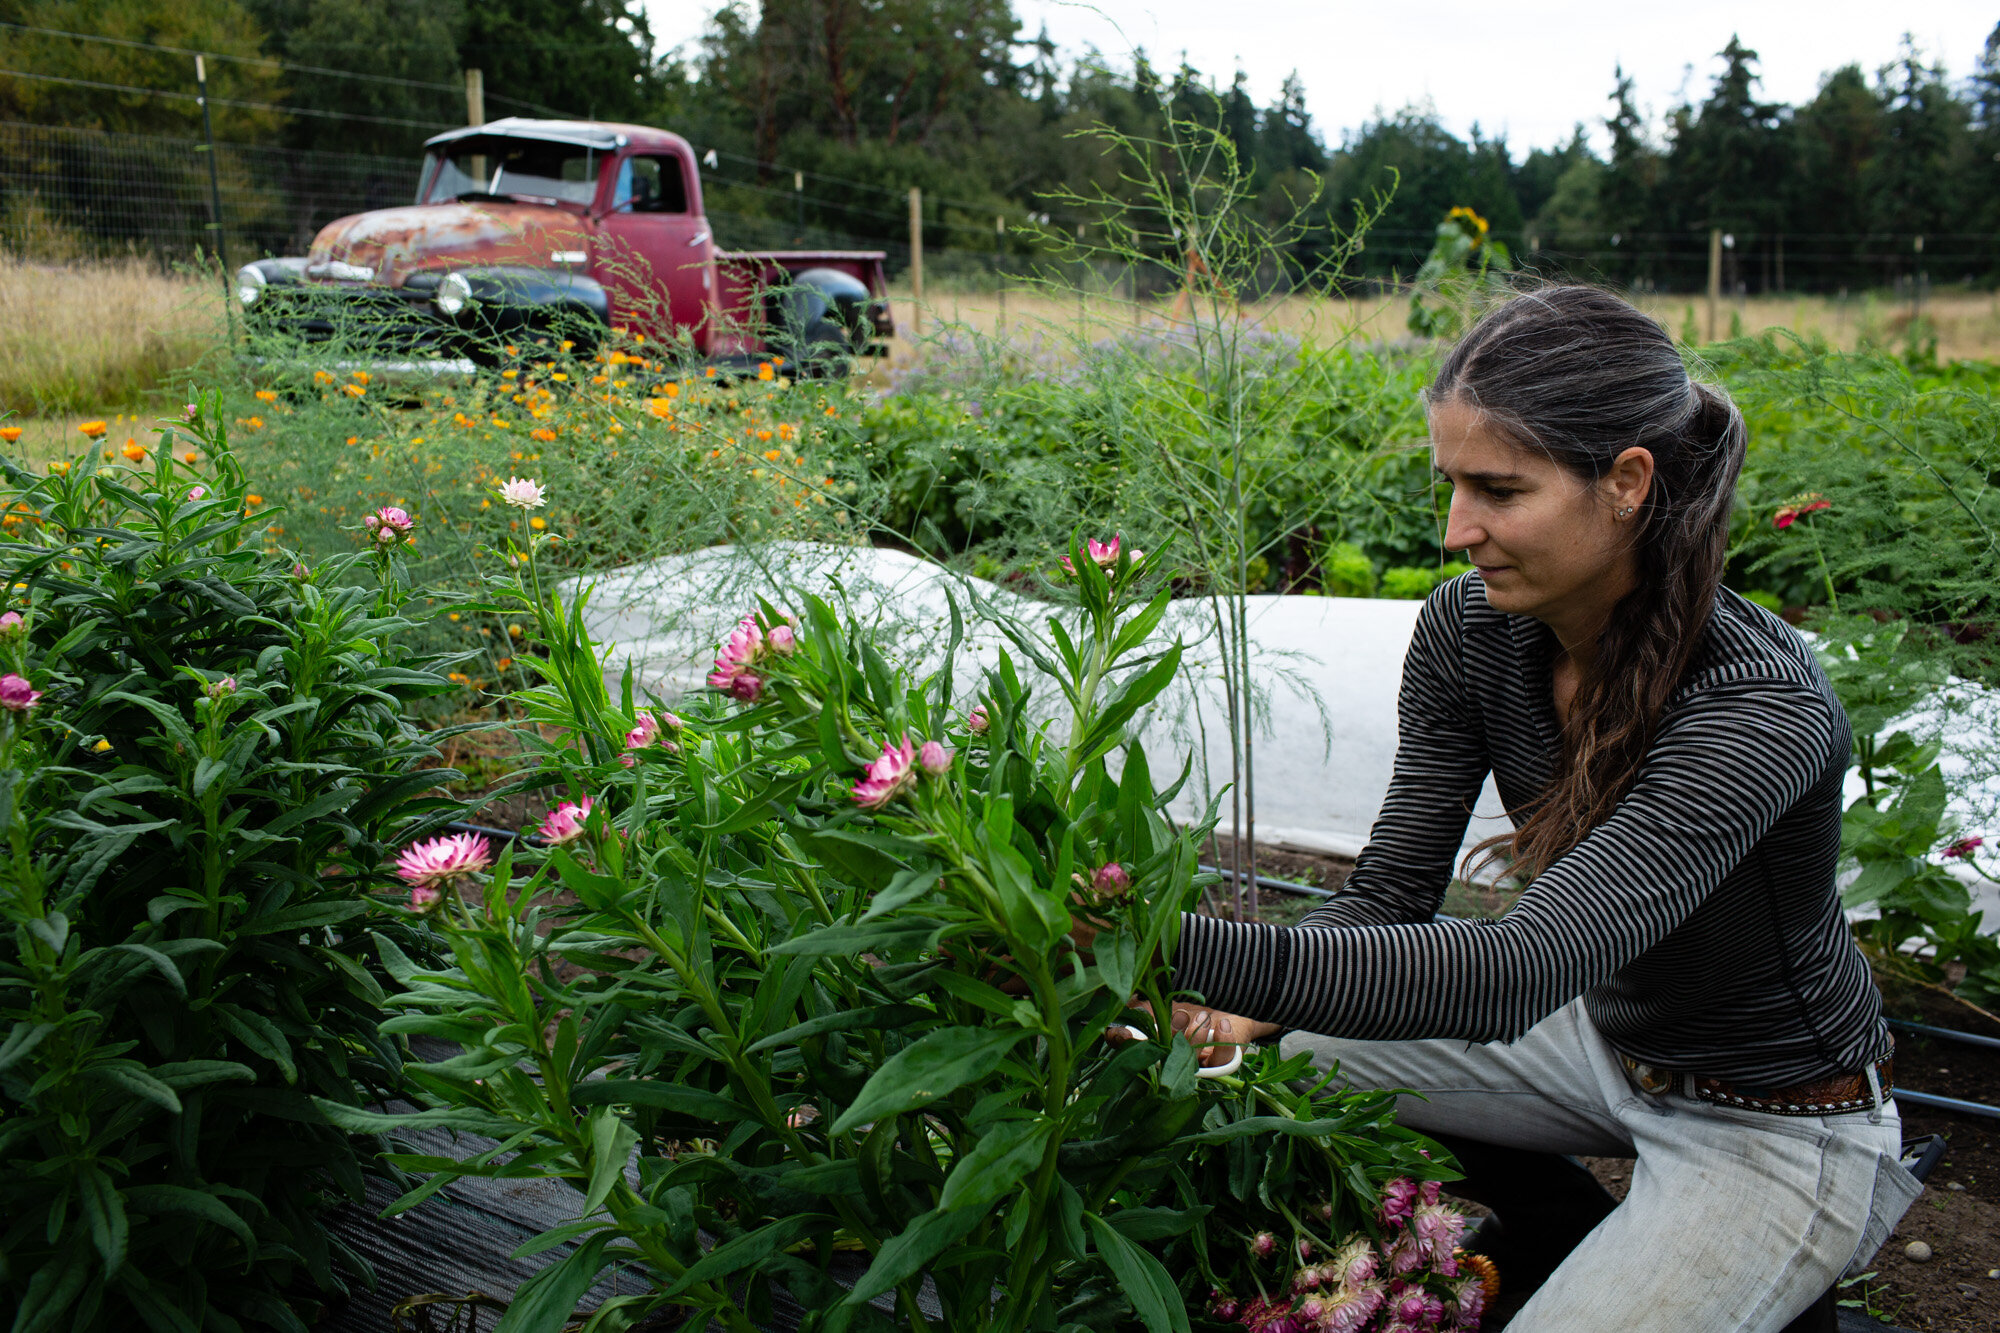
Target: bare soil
column 1958, row 1289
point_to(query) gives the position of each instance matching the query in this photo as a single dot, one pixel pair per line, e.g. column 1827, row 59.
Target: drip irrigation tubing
column 1281, row 885
column 1949, row 1034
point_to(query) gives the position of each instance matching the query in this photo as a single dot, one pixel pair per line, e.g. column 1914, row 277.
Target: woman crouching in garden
column 1677, row 983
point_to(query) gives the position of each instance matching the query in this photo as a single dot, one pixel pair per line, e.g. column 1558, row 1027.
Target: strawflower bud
column 977, row 722
column 16, row 694
column 934, row 759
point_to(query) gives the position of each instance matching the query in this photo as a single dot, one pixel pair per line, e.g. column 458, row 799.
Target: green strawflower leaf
column 1141, row 1277
column 935, row 1064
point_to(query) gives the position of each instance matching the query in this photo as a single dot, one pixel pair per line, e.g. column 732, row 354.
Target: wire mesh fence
column 69, row 193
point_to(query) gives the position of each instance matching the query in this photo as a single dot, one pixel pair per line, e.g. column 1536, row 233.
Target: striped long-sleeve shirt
column 1699, row 921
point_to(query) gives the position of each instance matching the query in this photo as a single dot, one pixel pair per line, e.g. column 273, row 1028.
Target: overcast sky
column 1529, row 68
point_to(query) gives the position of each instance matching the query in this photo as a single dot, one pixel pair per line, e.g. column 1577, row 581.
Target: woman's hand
column 1215, row 1034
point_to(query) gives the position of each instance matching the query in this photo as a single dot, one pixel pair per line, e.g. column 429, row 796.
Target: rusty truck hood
column 389, row 244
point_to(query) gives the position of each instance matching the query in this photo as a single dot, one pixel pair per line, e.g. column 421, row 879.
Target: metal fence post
column 214, row 179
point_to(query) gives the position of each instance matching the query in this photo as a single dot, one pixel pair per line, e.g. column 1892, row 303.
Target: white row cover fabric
column 1326, row 670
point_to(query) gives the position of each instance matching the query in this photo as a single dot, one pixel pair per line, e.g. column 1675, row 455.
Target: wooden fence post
column 1714, row 277
column 916, row 261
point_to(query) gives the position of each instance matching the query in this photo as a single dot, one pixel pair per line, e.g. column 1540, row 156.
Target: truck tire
column 818, row 322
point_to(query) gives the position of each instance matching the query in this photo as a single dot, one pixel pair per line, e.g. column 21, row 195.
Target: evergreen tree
column 1625, row 247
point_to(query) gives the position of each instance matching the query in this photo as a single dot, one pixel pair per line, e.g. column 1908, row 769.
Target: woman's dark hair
column 1581, row 376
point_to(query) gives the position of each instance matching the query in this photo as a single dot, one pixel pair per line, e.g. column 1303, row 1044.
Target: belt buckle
column 1652, row 1080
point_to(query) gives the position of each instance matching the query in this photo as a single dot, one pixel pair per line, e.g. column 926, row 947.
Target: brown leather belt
column 1832, row 1095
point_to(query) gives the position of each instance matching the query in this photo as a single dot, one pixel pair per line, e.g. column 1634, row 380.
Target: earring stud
column 1626, row 512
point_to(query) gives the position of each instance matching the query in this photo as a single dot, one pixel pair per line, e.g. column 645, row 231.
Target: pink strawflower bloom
column 433, row 863
column 888, row 776
column 1437, row 1227
column 521, row 493
column 783, row 639
column 976, row 721
column 1418, row 1307
column 934, row 759
column 1349, row 1308
column 1112, row 880
column 1399, row 1199
column 390, row 524
column 1222, row 1305
column 1406, row 1256
column 647, row 730
column 566, row 823
column 1355, row 1263
column 1471, row 1301
column 732, row 674
column 1263, row 1245
column 1103, row 555
column 1265, row 1315
column 1962, row 849
column 195, row 493
column 16, row 694
column 1311, row 1277
column 10, row 624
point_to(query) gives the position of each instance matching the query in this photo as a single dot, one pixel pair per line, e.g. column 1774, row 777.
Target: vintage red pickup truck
column 525, row 227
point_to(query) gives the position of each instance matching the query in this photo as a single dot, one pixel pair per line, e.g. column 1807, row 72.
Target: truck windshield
column 528, row 167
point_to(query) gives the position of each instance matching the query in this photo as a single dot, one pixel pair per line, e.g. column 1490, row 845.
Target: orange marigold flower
column 266, row 395
column 763, row 434
column 767, row 371
column 774, row 454
column 92, row 428
column 354, row 390
column 538, row 523
column 10, row 433
column 361, row 377
column 322, row 377
column 559, row 377
column 133, row 450
column 254, row 498
column 544, row 434
column 504, row 663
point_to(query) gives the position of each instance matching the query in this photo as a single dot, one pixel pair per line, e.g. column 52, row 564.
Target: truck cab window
column 521, row 168
column 651, row 185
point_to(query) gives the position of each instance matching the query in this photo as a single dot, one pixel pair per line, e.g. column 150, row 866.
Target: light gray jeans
column 1735, row 1219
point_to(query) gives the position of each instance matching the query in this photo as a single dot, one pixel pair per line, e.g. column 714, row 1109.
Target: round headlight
column 452, row 294
column 250, row 284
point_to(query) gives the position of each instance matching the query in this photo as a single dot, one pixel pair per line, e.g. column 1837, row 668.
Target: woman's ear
column 1628, row 481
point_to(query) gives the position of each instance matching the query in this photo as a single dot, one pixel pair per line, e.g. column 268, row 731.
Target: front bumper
column 371, row 320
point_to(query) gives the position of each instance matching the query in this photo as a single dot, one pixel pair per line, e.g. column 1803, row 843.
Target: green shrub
column 193, row 814
column 1347, row 571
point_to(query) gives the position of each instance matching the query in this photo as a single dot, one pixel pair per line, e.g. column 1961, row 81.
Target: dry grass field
column 1967, row 325
column 95, row 338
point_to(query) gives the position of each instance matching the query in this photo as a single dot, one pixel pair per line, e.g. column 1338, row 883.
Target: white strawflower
column 522, row 493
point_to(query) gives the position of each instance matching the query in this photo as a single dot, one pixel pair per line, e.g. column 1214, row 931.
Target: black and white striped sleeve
column 1726, row 764
column 1441, row 761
